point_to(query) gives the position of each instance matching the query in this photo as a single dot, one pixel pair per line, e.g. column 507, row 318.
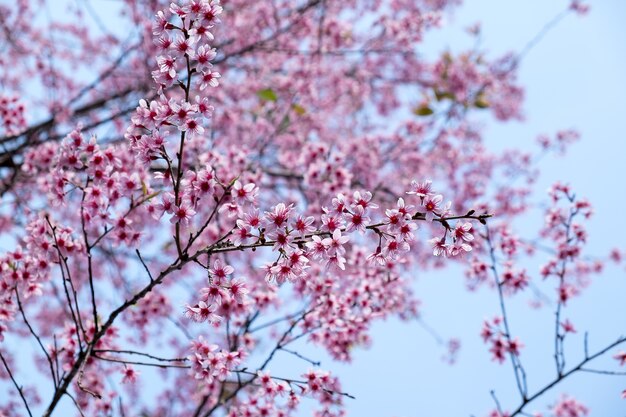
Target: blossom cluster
column 569, row 236
column 182, row 35
column 12, row 115
column 281, row 396
column 24, row 270
column 562, row 140
column 102, row 179
column 332, row 245
column 223, row 297
column 297, row 239
column 70, row 340
column 501, row 343
column 579, row 7
column 569, row 407
column 209, row 361
column 152, row 307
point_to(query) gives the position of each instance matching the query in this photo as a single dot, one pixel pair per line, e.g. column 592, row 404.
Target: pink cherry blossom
column 209, row 191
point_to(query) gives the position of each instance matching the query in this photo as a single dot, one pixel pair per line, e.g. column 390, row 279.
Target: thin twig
column 144, row 264
column 81, row 373
column 304, row 358
column 127, row 362
column 518, row 369
column 564, row 375
column 36, row 336
column 19, row 389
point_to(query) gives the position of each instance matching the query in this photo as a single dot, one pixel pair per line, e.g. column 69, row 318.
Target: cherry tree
column 194, row 196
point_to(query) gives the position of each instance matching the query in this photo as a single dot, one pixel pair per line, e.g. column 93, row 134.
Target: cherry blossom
column 208, row 187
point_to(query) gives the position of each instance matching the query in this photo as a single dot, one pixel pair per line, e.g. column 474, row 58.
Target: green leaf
column 267, row 94
column 284, row 124
column 232, row 182
column 481, row 101
column 440, row 95
column 423, row 110
column 152, row 195
column 298, row 109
